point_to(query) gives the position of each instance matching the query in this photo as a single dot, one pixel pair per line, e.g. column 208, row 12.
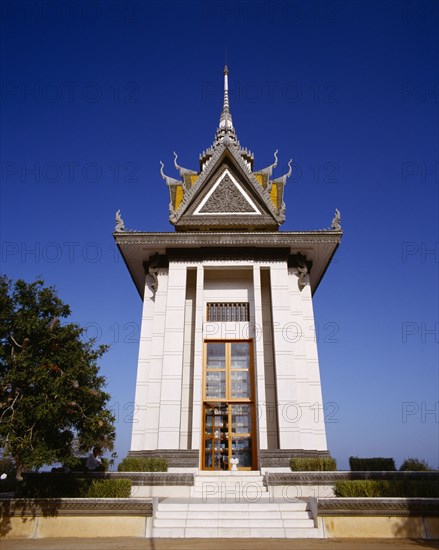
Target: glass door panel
column 241, row 419
column 240, row 385
column 240, row 355
column 228, row 414
column 216, row 355
column 215, row 384
column 242, row 449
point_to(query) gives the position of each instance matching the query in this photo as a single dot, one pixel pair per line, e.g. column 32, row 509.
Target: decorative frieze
column 176, row 458
column 378, row 507
column 329, row 478
column 53, row 507
column 280, row 458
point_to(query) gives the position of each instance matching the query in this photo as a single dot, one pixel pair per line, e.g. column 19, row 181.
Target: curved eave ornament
column 171, row 183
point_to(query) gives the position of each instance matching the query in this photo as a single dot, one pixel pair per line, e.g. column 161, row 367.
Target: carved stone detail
column 329, row 478
column 180, row 458
column 233, row 150
column 51, row 507
column 226, row 199
column 378, row 507
column 227, row 239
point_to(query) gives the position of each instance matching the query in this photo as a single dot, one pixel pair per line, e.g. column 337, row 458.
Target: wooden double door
column 228, row 405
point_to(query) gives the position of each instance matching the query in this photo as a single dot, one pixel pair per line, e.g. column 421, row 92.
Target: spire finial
column 225, row 128
column 226, row 117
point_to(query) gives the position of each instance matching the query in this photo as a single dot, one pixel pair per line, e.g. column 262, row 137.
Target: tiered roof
column 226, row 194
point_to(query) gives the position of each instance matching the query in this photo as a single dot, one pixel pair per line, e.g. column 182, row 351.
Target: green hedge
column 377, row 464
column 136, row 464
column 313, row 464
column 109, row 488
column 385, row 489
column 49, row 485
column 79, row 465
column 7, row 467
column 414, row 465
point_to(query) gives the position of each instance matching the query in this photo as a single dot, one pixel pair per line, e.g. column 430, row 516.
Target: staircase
column 234, row 506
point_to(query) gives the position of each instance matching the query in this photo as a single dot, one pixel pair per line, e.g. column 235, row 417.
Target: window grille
column 226, row 312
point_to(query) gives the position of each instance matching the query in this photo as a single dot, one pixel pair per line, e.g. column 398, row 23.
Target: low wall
column 404, row 518
column 76, row 517
column 94, row 518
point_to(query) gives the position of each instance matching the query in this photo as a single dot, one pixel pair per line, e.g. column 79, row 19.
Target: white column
column 261, row 409
column 288, row 406
column 312, row 425
column 198, row 360
column 170, row 398
column 138, row 435
column 156, row 362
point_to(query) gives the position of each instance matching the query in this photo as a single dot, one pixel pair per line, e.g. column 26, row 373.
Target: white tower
column 228, row 365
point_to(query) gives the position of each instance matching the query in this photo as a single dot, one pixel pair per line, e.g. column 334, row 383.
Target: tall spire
column 226, row 116
column 225, row 128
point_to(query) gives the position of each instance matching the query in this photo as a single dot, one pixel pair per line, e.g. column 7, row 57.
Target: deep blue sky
column 94, row 94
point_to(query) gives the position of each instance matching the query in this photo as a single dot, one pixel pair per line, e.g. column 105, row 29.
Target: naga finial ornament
column 336, row 225
column 120, row 225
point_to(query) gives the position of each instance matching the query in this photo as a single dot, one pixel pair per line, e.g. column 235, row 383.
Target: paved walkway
column 214, row 544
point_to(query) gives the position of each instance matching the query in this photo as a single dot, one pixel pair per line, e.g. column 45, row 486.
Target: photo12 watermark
column 419, row 172
column 69, row 172
column 68, row 92
column 419, row 252
column 413, row 411
column 272, row 92
column 415, row 331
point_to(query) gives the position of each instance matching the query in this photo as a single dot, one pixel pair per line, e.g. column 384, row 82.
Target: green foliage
column 49, row 485
column 387, row 489
column 51, row 393
column 7, row 467
column 414, row 465
column 137, row 464
column 320, row 464
column 377, row 464
column 109, row 488
column 79, row 464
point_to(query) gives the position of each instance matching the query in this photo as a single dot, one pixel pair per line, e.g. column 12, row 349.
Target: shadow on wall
column 27, row 509
column 419, row 524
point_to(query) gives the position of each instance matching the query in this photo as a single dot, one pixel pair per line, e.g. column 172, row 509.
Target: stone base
column 177, row 458
column 280, row 458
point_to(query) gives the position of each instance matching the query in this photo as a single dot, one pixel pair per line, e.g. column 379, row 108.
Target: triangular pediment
column 226, row 196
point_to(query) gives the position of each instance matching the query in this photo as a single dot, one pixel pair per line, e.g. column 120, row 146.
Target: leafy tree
column 51, row 395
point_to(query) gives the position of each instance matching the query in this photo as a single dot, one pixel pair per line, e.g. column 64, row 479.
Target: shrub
column 386, row 489
column 323, row 464
column 49, row 485
column 7, row 467
column 79, row 464
column 109, row 488
column 138, row 464
column 414, row 465
column 377, row 464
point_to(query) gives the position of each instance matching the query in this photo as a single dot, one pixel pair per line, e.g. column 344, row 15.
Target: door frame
column 228, row 400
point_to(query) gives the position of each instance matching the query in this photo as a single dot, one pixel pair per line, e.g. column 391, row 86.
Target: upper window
column 224, row 312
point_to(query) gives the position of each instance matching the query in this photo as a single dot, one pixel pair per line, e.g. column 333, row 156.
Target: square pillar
column 261, row 409
column 289, row 412
column 170, row 395
column 198, row 360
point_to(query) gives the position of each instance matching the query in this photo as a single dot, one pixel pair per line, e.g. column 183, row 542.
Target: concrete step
column 233, row 523
column 246, row 532
column 217, row 518
column 181, row 504
column 228, row 514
